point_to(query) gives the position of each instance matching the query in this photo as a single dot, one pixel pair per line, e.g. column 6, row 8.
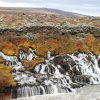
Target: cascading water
column 47, row 80
column 88, row 65
column 59, row 74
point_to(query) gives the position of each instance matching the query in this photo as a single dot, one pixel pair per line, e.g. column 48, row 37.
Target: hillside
column 41, row 10
column 47, row 21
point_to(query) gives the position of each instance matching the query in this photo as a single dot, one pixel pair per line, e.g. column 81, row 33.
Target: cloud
column 9, row 4
column 56, row 1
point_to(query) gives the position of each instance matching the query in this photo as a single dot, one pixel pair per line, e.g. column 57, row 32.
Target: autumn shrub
column 26, row 44
column 6, row 78
column 29, row 65
column 8, row 51
column 92, row 43
column 2, row 61
column 8, row 48
column 56, row 43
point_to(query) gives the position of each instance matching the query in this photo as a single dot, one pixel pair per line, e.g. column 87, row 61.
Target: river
column 91, row 92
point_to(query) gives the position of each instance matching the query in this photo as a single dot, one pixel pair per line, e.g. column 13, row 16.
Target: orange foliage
column 2, row 60
column 31, row 64
column 26, row 44
column 6, row 78
column 8, row 51
column 92, row 43
column 57, row 44
column 90, row 40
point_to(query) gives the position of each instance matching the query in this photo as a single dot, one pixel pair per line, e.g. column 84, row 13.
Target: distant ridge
column 43, row 10
column 63, row 13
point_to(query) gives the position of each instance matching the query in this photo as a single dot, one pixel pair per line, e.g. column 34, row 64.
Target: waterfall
column 26, row 91
column 88, row 65
column 59, row 74
column 26, row 56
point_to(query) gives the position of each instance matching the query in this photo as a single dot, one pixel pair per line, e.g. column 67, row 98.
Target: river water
column 91, row 92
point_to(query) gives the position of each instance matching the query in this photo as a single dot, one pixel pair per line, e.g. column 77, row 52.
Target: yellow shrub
column 27, row 44
column 6, row 78
column 33, row 46
column 8, row 51
column 31, row 64
column 2, row 61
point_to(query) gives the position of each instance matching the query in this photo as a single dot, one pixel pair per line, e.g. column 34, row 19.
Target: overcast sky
column 88, row 7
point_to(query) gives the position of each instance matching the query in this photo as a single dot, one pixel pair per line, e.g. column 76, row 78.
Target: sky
column 87, row 7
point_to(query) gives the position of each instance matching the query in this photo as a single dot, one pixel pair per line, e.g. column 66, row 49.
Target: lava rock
column 64, row 61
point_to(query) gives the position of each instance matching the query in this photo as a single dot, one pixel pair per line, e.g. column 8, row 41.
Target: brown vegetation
column 6, row 78
column 31, row 64
column 57, row 44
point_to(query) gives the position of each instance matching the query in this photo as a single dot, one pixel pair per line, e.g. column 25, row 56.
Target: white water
column 24, row 55
column 91, row 92
column 48, row 78
column 88, row 67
